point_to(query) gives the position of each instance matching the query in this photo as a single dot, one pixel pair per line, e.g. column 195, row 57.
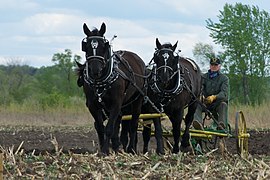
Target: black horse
column 174, row 85
column 110, row 81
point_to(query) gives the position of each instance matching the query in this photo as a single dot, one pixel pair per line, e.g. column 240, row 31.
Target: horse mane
column 95, row 31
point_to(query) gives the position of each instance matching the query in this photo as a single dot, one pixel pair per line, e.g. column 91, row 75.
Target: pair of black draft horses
column 118, row 83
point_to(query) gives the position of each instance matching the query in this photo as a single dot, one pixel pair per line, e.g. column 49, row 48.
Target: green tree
column 202, row 53
column 52, row 87
column 15, row 83
column 50, row 80
column 243, row 32
column 65, row 62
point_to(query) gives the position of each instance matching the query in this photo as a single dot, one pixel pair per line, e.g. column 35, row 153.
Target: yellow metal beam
column 144, row 116
column 244, row 135
column 169, row 133
column 199, row 135
column 210, row 133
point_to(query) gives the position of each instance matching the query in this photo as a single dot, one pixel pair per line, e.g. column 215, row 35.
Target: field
column 64, row 146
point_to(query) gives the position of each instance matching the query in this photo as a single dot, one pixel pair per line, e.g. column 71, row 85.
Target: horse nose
column 98, row 73
column 166, row 77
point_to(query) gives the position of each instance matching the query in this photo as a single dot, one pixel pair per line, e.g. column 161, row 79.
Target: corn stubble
column 17, row 164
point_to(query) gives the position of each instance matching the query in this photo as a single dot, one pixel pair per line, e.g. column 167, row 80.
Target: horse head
column 97, row 51
column 166, row 62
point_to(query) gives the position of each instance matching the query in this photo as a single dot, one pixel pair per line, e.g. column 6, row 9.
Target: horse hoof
column 101, row 154
column 131, row 151
column 160, row 153
column 145, row 150
column 105, row 152
column 116, row 149
column 175, row 150
column 186, row 149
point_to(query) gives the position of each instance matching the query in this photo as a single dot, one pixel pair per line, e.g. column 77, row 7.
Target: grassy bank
column 75, row 113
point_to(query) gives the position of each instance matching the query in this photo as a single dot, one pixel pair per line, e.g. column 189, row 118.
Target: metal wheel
column 241, row 134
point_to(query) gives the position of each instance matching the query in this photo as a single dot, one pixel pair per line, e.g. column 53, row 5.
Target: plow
column 206, row 139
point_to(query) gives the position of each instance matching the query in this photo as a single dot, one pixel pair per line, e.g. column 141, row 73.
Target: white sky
column 31, row 31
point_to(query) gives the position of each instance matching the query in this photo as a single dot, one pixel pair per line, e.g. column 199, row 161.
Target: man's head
column 215, row 64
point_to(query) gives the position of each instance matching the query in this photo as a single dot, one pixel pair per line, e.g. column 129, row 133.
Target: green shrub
column 53, row 100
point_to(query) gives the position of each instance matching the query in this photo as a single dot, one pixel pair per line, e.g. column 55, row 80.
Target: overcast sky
column 31, row 31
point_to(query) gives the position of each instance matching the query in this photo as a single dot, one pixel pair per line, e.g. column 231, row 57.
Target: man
column 215, row 90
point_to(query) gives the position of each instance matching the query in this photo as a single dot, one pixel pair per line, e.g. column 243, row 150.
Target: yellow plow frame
column 241, row 134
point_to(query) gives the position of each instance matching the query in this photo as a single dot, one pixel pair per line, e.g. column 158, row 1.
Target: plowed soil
column 82, row 140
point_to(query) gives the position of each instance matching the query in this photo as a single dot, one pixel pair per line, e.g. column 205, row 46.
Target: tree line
column 48, row 86
column 242, row 31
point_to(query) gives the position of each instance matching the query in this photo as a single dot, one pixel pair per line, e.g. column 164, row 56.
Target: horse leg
column 110, row 127
column 96, row 112
column 136, row 111
column 100, row 131
column 97, row 115
column 185, row 145
column 158, row 136
column 115, row 139
column 124, row 134
column 133, row 134
column 146, row 137
column 176, row 118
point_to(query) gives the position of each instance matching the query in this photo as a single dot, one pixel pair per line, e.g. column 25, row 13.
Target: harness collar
column 167, row 95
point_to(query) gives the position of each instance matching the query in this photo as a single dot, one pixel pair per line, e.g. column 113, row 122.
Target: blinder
column 94, row 41
column 164, row 50
column 86, row 39
column 84, row 42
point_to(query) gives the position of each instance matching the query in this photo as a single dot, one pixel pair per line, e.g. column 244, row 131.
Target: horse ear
column 102, row 29
column 174, row 46
column 78, row 64
column 79, row 72
column 86, row 30
column 158, row 44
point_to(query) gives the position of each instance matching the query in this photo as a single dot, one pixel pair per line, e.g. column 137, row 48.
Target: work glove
column 210, row 99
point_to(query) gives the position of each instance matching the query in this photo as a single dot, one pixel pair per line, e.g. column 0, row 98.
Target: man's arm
column 224, row 89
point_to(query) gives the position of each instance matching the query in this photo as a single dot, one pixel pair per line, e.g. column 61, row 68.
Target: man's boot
column 197, row 125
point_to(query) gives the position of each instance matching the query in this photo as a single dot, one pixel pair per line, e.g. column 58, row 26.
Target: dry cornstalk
column 152, row 169
column 19, row 147
column 205, row 170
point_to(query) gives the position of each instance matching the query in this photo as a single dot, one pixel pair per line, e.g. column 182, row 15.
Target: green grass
column 75, row 113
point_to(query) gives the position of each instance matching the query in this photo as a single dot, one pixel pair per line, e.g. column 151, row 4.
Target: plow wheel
column 241, row 134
